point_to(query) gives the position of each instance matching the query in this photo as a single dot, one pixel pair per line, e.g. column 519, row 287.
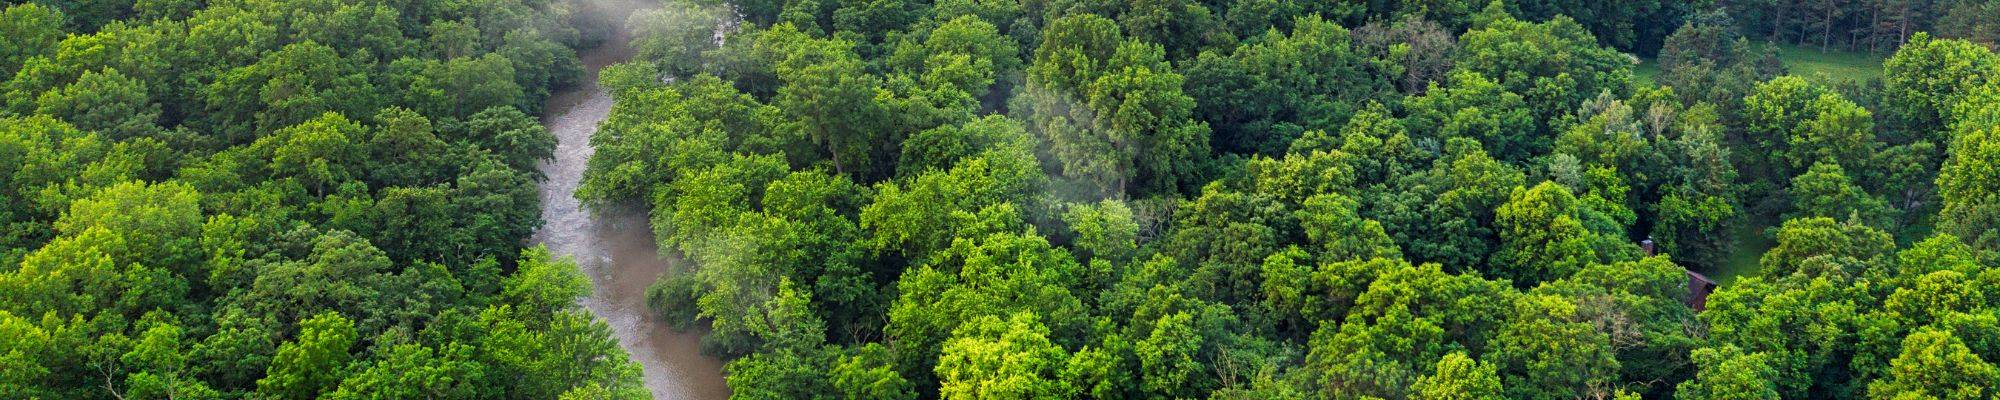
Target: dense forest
column 1007, row 199
column 287, row 199
column 1284, row 199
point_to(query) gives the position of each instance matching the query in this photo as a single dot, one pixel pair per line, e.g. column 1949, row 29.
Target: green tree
column 923, row 215
column 1936, row 365
column 1804, row 123
column 1825, row 191
column 315, row 362
column 1546, row 352
column 1728, row 373
column 1113, row 110
column 1927, row 76
column 1970, row 191
column 781, row 374
column 516, row 138
column 869, row 373
column 992, row 358
column 1168, row 364
column 571, row 351
column 1840, row 131
column 414, row 370
column 321, row 153
column 1106, row 230
column 32, row 30
column 1555, row 65
column 543, row 284
column 674, row 36
column 1809, row 244
column 458, row 87
column 1457, row 228
column 1262, row 95
column 1541, row 237
column 1458, row 377
column 1708, row 60
column 960, row 297
column 1471, row 105
column 1407, row 316
column 1822, row 308
column 106, row 102
column 162, row 223
column 303, row 80
column 825, row 88
column 1225, row 236
column 941, row 147
column 966, row 53
column 406, row 150
column 1333, row 223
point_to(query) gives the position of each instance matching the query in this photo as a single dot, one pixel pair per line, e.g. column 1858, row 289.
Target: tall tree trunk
column 1778, row 22
column 1875, row 28
column 1903, row 25
column 1826, row 31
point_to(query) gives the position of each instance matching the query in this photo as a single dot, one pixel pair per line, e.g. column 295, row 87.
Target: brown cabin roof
column 1699, row 286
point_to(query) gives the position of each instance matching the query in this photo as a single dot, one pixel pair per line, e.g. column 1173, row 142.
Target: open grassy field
column 1805, row 61
column 1834, row 65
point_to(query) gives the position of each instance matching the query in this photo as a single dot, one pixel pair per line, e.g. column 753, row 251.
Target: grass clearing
column 1744, row 257
column 1830, row 66
column 1805, row 61
column 1647, row 71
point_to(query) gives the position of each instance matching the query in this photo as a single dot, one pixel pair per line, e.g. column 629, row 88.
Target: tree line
column 1868, row 25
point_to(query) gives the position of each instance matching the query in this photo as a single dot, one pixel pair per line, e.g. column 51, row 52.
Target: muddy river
column 615, row 248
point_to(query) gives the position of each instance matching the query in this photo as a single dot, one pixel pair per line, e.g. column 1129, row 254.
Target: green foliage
column 1708, row 60
column 965, row 53
column 314, row 363
column 825, row 89
column 106, row 102
column 1541, row 237
column 297, row 83
column 674, row 36
column 925, row 214
column 1272, row 88
column 1473, row 106
column 1112, row 109
column 869, row 373
column 1821, row 246
column 1555, row 65
column 1928, row 76
column 1825, row 191
column 1937, row 365
column 284, row 200
column 1256, row 199
column 1804, row 124
column 1968, row 186
column 991, row 358
column 1458, row 378
column 1729, row 373
column 543, row 285
column 32, row 30
column 1547, row 352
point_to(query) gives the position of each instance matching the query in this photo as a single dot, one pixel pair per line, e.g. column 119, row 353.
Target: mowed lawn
column 1805, row 61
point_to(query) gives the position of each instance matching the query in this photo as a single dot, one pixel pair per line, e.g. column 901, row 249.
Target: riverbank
column 615, row 247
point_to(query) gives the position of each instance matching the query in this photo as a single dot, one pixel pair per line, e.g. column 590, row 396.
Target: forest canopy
column 287, row 200
column 1000, row 199
column 1286, row 199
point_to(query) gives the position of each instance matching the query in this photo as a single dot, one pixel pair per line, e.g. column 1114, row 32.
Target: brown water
column 615, row 247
